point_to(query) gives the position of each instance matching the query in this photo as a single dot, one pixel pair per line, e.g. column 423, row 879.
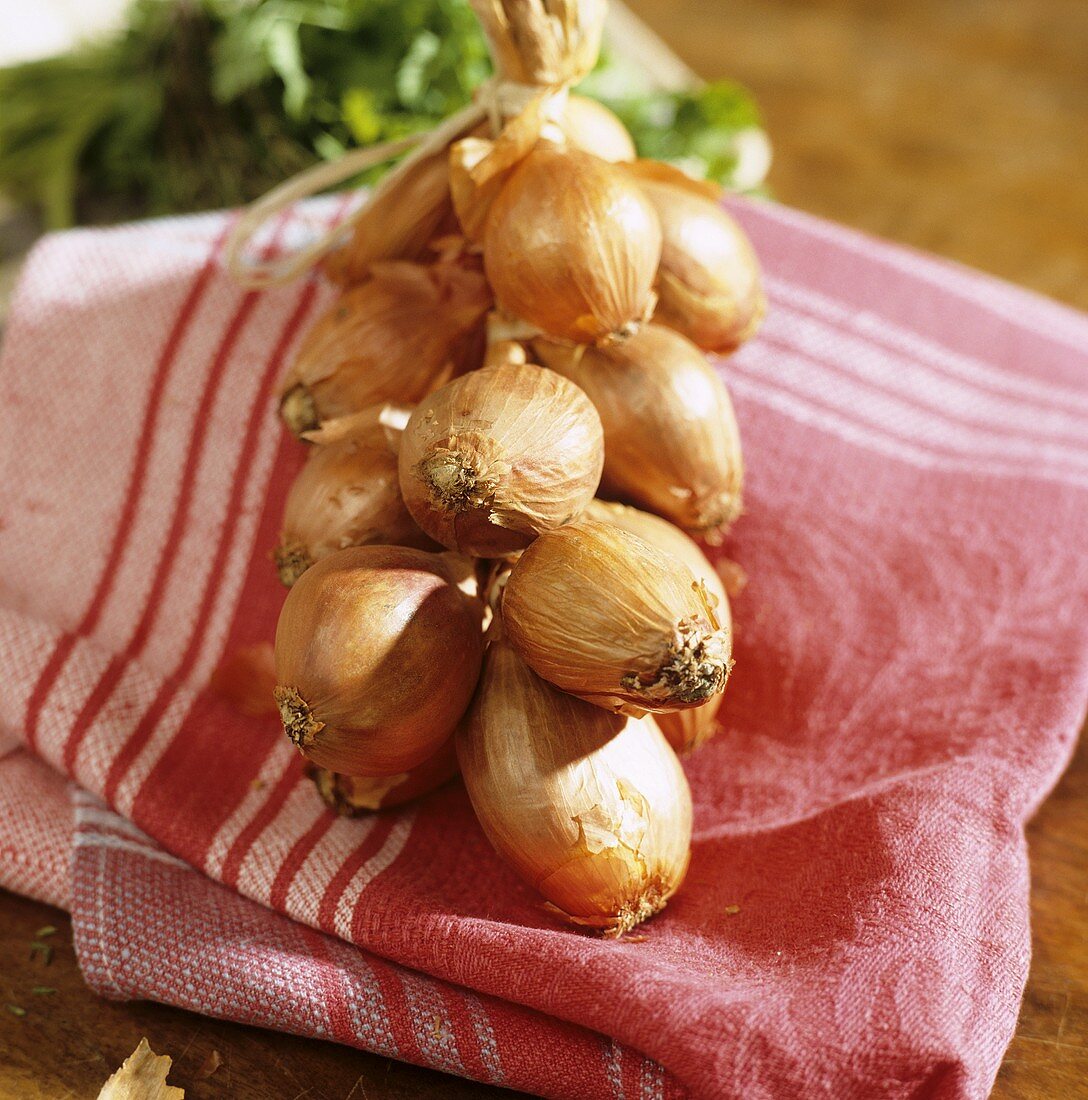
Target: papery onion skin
column 499, row 455
column 395, row 337
column 671, row 439
column 355, row 795
column 591, row 808
column 604, row 615
column 397, row 225
column 346, row 494
column 377, row 656
column 593, row 128
column 709, row 286
column 542, row 43
column 685, row 730
column 572, row 245
column 479, row 166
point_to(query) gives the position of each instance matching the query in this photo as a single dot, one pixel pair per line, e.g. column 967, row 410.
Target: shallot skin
column 572, row 245
column 498, row 456
column 377, row 656
column 671, row 439
column 685, row 730
column 591, row 808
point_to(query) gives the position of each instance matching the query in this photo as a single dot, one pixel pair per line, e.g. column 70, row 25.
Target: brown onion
column 347, row 493
column 604, row 615
column 353, row 795
column 377, row 656
column 670, row 435
column 687, row 729
column 591, row 808
column 571, row 246
column 708, row 284
column 499, row 455
column 592, row 127
column 396, row 337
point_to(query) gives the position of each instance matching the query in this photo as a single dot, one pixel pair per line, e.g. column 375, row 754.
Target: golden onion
column 402, row 333
column 592, row 127
column 571, row 245
column 347, row 493
column 708, row 283
column 499, row 455
column 608, row 617
column 687, row 729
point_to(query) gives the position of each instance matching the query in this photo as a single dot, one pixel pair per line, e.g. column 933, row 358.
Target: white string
column 319, row 178
column 495, row 100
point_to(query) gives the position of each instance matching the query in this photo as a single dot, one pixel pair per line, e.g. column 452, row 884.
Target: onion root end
column 696, row 669
column 299, row 410
column 299, row 723
column 456, row 481
column 650, row 901
column 292, row 560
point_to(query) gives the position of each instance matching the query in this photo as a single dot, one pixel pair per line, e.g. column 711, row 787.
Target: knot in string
column 495, row 101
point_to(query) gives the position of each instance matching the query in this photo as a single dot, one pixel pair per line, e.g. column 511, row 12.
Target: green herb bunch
column 206, row 103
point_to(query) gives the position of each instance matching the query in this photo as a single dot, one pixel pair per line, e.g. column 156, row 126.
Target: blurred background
column 955, row 125
column 112, row 109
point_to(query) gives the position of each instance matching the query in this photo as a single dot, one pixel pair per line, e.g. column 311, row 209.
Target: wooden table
column 956, row 127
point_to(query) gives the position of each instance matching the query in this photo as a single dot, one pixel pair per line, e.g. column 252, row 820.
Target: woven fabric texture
column 912, row 668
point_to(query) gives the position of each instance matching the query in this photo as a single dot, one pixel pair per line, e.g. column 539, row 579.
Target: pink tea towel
column 912, row 668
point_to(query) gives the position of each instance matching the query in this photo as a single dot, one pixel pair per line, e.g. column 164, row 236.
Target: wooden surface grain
column 69, row 1041
column 957, row 126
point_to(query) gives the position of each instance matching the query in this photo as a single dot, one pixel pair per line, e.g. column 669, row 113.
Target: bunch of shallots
column 513, row 433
